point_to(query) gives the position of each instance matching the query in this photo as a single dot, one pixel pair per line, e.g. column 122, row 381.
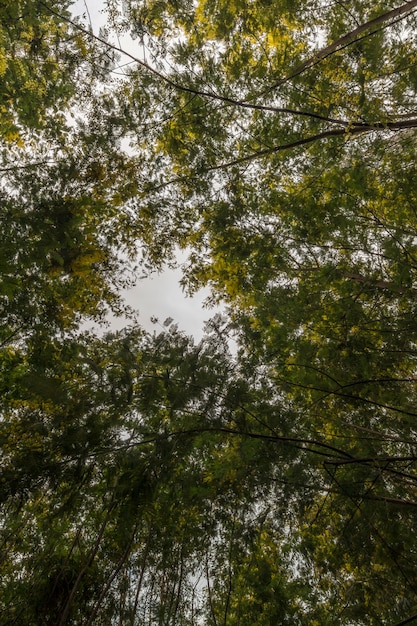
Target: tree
column 150, row 480
column 39, row 67
column 293, row 192
column 65, row 178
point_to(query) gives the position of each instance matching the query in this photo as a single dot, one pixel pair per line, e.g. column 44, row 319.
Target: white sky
column 161, row 295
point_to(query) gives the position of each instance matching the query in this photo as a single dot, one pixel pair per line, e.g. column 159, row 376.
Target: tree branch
column 342, row 42
column 191, row 90
column 355, row 129
column 413, row 618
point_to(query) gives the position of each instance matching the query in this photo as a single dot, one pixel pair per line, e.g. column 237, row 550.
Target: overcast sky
column 161, row 295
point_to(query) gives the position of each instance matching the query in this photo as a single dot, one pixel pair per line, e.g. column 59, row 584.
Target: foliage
column 147, row 479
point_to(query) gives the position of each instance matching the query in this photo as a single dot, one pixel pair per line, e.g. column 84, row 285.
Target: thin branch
column 392, row 552
column 356, row 398
column 381, row 284
column 209, row 591
column 122, row 561
column 142, row 571
column 88, row 15
column 375, row 460
column 197, row 92
column 89, row 561
column 13, row 334
column 355, row 129
column 413, row 618
column 299, row 442
column 342, row 42
column 229, row 574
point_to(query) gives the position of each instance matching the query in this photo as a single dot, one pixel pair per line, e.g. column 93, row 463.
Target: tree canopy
column 151, row 479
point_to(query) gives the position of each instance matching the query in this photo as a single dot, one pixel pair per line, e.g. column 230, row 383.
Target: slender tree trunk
column 142, row 573
column 89, row 561
column 111, row 578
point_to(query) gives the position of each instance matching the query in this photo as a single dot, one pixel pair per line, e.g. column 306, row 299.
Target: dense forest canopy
column 152, row 480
